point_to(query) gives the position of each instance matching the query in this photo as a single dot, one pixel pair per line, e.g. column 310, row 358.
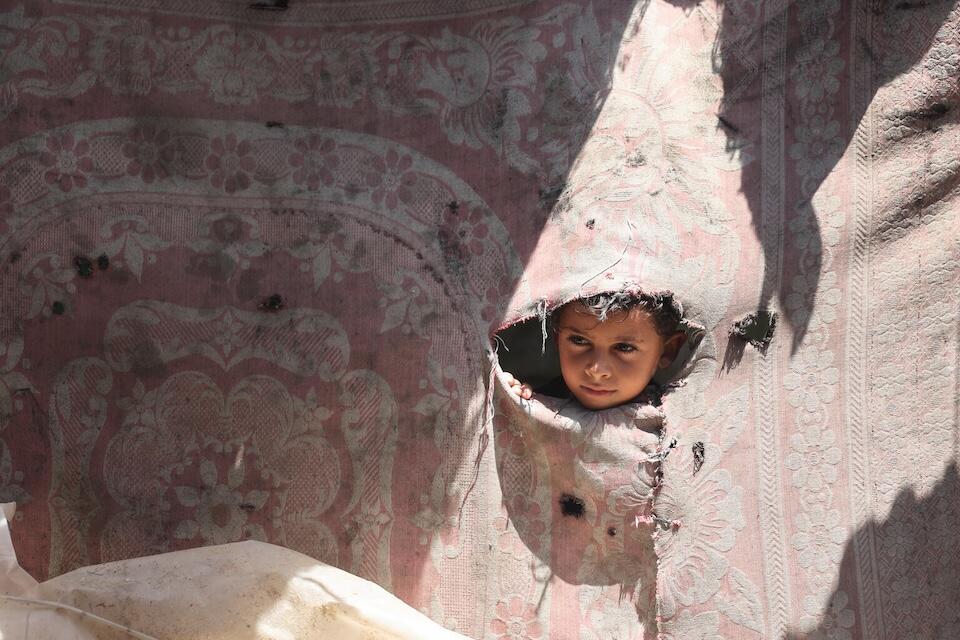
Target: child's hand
column 518, row 388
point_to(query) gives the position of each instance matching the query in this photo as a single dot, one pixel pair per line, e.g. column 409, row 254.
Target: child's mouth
column 597, row 392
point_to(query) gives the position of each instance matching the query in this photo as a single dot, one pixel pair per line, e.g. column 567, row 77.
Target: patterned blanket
column 252, row 255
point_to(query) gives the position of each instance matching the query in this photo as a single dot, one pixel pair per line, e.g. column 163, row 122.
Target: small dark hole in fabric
column 273, row 303
column 611, row 531
column 83, row 266
column 571, row 505
column 699, row 455
column 756, row 329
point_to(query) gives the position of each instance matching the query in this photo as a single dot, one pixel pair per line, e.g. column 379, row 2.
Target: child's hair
column 663, row 309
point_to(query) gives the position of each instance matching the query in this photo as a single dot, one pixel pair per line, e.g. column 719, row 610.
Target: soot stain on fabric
column 636, row 159
column 58, row 308
column 270, row 5
column 147, row 360
column 591, row 223
column 274, row 124
column 611, row 531
column 453, row 206
column 103, row 262
column 248, row 286
column 934, row 111
column 500, row 112
column 571, row 505
column 273, row 303
column 756, row 329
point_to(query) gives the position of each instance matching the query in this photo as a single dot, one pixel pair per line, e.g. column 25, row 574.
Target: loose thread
column 657, row 520
column 542, row 314
column 623, row 253
column 662, row 454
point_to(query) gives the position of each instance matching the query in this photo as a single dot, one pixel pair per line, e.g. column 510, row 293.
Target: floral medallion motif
column 391, row 179
column 314, row 161
column 128, row 59
column 149, row 153
column 220, row 510
column 67, row 161
column 236, row 66
column 230, row 163
column 515, row 620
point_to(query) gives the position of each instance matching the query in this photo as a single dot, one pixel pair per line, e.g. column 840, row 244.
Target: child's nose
column 598, row 368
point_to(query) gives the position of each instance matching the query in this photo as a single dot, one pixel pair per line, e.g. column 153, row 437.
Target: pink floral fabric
column 252, row 258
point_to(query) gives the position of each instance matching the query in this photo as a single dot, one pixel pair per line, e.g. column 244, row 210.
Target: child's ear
column 671, row 347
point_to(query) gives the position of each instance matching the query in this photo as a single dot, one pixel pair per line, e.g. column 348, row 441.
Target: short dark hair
column 663, row 309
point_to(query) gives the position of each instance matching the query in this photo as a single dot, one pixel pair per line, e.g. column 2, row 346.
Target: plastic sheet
column 244, row 590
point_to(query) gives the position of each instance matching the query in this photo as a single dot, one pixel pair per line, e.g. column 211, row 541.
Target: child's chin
column 595, row 404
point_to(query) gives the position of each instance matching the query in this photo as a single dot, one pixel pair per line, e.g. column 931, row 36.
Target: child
column 610, row 347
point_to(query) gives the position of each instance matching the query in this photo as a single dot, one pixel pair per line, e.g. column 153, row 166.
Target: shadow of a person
column 794, row 91
column 900, row 576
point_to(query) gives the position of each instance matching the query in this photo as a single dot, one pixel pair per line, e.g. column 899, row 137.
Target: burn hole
column 273, row 303
column 756, row 329
column 83, row 266
column 571, row 505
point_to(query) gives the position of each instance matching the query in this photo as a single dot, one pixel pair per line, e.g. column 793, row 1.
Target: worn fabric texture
column 251, row 254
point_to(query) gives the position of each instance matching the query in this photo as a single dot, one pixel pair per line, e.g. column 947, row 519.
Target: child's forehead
column 576, row 315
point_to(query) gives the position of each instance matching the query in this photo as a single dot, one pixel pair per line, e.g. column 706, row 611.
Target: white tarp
column 240, row 591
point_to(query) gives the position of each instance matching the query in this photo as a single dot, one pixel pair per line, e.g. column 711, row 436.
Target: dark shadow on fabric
column 913, row 558
column 561, row 108
column 733, row 354
column 903, row 32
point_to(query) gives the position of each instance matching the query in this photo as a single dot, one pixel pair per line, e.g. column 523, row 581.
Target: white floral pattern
column 221, row 509
column 837, row 622
column 187, row 214
column 128, row 59
column 814, row 458
column 693, row 560
column 819, row 538
column 812, row 379
column 691, row 626
column 235, row 66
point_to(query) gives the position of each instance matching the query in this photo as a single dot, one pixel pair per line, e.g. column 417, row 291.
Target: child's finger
column 526, row 392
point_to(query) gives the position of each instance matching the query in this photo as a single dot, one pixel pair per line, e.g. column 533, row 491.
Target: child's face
column 605, row 364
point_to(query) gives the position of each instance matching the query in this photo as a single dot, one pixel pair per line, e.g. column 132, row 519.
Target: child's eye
column 623, row 347
column 580, row 341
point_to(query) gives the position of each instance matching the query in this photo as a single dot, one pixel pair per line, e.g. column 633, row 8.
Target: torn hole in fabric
column 527, row 348
column 590, row 476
